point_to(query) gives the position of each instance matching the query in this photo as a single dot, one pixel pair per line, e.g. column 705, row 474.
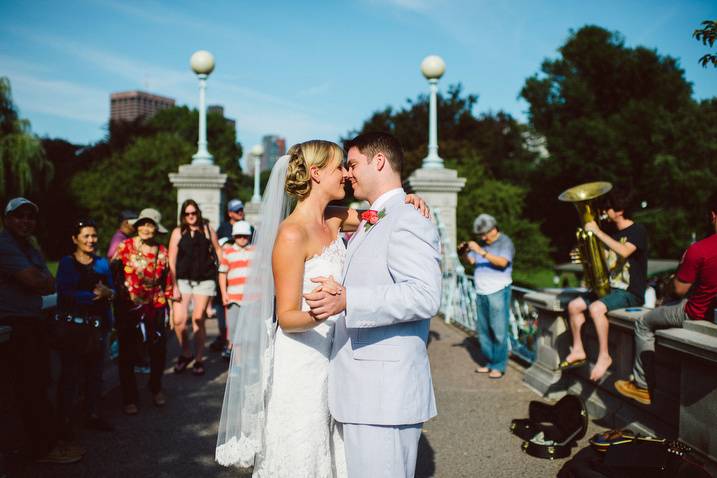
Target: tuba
column 590, row 247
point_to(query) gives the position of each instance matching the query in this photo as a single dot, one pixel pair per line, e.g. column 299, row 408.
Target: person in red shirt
column 696, row 285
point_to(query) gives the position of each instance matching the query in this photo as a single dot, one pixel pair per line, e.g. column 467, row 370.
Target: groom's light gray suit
column 380, row 386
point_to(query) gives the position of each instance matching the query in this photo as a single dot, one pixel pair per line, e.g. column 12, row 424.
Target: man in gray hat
column 493, row 261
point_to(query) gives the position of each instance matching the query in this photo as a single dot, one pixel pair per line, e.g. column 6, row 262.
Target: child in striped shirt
column 233, row 272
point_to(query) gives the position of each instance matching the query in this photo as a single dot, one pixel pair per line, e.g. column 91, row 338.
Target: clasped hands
column 328, row 299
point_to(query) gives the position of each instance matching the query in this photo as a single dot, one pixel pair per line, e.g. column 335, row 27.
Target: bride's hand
column 328, row 285
column 418, row 202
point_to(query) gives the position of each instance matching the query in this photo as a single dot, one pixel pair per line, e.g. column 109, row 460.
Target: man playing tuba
column 626, row 259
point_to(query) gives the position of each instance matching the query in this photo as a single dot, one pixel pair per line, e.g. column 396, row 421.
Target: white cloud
column 59, row 98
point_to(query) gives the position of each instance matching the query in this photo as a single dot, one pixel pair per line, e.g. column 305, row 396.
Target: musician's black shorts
column 616, row 299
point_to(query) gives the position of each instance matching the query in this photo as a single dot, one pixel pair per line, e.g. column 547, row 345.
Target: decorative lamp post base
column 203, row 183
column 440, row 188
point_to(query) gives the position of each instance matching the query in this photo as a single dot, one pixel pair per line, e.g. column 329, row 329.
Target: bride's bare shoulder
column 292, row 233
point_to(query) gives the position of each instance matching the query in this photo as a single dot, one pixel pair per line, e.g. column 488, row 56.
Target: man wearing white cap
column 233, row 272
column 24, row 279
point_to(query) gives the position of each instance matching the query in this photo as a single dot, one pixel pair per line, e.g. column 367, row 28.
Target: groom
column 380, row 388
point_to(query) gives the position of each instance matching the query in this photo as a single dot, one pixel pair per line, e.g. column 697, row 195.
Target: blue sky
column 306, row 69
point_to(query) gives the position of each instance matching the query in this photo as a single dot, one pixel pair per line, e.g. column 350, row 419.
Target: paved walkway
column 469, row 438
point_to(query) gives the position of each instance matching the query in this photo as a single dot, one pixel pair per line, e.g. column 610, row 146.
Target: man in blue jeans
column 493, row 278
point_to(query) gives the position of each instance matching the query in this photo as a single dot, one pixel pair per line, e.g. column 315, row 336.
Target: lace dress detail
column 300, row 439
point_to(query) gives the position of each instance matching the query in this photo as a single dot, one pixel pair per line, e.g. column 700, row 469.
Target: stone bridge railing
column 684, row 401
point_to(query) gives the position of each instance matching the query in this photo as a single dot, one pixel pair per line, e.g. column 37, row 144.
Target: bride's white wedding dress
column 300, row 439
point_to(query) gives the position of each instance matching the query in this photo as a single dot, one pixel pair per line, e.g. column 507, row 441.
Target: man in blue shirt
column 493, row 278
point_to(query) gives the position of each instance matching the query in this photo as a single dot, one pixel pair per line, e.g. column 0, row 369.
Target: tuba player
column 626, row 259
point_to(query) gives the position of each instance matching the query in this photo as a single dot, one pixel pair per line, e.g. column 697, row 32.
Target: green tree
column 488, row 150
column 24, row 170
column 625, row 115
column 707, row 35
column 135, row 178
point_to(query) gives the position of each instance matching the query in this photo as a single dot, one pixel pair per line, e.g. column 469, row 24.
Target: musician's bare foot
column 601, row 365
column 575, row 355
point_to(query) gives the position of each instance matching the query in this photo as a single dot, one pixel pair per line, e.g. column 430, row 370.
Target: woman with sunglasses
column 84, row 293
column 194, row 255
column 142, row 271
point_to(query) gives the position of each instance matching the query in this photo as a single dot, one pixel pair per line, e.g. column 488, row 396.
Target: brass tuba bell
column 591, row 249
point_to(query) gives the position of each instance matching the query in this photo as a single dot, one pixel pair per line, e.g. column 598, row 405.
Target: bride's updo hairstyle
column 317, row 153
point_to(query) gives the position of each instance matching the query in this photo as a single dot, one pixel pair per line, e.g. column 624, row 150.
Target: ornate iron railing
column 458, row 304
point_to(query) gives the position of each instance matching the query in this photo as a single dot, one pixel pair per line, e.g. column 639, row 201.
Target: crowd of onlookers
column 141, row 290
column 690, row 295
column 134, row 295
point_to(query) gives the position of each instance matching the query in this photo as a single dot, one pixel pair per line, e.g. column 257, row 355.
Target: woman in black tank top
column 193, row 257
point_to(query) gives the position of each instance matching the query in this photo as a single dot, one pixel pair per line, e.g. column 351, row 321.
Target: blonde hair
column 317, row 153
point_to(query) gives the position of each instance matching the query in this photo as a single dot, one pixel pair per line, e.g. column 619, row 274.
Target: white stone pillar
column 440, row 188
column 203, row 183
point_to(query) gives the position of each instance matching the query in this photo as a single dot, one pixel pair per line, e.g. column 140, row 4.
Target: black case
column 550, row 431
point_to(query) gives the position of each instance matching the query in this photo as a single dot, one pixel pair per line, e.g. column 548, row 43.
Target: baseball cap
column 484, row 223
column 235, row 205
column 241, row 228
column 15, row 203
column 127, row 214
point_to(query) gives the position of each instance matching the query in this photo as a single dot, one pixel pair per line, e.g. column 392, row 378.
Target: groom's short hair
column 370, row 144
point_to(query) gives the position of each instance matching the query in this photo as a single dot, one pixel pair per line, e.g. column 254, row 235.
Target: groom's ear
column 380, row 160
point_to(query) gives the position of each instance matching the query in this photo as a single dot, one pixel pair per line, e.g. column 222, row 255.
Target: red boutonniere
column 372, row 217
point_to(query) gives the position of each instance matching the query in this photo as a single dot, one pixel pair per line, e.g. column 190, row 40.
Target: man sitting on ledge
column 626, row 258
column 697, row 274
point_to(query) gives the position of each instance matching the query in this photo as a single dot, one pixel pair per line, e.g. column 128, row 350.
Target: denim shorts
column 616, row 299
column 206, row 287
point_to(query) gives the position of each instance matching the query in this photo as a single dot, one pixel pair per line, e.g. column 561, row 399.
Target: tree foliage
column 625, row 115
column 130, row 168
column 486, row 150
column 707, row 35
column 24, row 170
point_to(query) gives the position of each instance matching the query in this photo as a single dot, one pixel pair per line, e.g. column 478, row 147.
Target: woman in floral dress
column 144, row 285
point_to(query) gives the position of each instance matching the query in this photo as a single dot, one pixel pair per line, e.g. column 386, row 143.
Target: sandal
column 482, row 370
column 493, row 375
column 198, row 368
column 565, row 365
column 182, row 363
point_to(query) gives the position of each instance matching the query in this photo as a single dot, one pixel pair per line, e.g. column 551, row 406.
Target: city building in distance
column 274, row 148
column 219, row 110
column 130, row 105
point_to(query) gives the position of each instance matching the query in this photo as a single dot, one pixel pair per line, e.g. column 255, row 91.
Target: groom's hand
column 323, row 303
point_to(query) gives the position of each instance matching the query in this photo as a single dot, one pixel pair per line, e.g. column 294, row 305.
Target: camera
column 463, row 248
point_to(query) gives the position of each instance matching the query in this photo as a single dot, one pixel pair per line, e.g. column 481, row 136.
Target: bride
column 275, row 415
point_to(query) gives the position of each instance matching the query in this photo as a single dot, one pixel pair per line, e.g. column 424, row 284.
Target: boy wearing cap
column 493, row 278
column 233, row 271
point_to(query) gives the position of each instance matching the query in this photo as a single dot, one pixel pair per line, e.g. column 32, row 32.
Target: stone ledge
column 690, row 342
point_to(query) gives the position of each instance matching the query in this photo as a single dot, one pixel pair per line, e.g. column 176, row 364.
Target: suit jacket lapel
column 356, row 244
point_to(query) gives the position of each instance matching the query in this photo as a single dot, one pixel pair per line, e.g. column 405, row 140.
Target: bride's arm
column 350, row 217
column 287, row 261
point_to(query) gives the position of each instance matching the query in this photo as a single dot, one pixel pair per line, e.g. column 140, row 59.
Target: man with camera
column 493, row 261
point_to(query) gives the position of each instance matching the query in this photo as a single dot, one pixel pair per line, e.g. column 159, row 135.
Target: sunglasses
column 190, row 213
column 25, row 217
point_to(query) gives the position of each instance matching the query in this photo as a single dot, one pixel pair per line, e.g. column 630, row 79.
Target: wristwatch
column 484, row 253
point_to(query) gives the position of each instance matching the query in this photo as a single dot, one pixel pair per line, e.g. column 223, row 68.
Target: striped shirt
column 235, row 264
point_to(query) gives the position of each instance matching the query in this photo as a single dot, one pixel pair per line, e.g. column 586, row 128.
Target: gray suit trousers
column 381, row 451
